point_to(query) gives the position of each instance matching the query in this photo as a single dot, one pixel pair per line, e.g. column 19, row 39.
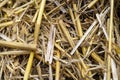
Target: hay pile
column 59, row 40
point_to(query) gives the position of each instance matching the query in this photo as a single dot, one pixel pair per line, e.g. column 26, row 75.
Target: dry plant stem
column 3, row 3
column 71, row 74
column 88, row 49
column 94, row 54
column 23, row 13
column 19, row 11
column 39, row 20
column 114, row 70
column 83, row 37
column 97, row 58
column 92, row 3
column 28, row 3
column 102, row 25
column 39, row 58
column 65, row 73
column 110, row 40
column 29, row 65
column 60, row 60
column 61, row 49
column 57, row 77
column 65, row 31
column 117, row 48
column 39, row 72
column 18, row 20
column 78, row 23
column 108, row 67
column 72, row 16
column 11, row 69
column 18, row 45
column 6, row 24
column 42, row 60
column 79, row 27
column 80, row 34
column 2, row 68
column 50, row 45
column 35, row 16
column 55, row 8
column 50, row 72
column 21, row 77
column 63, row 40
column 36, row 34
column 14, row 53
column 61, row 8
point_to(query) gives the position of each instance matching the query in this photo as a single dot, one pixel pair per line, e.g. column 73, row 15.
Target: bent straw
column 36, row 34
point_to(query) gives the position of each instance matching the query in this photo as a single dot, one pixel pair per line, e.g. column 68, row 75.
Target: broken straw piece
column 88, row 31
column 84, row 36
column 50, row 46
column 102, row 26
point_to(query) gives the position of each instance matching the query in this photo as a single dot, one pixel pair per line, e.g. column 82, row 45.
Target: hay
column 59, row 40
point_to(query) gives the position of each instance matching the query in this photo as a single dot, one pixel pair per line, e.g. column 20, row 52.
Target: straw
column 36, row 34
column 110, row 40
column 59, row 40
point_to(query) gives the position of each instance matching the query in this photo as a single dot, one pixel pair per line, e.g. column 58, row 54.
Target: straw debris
column 59, row 40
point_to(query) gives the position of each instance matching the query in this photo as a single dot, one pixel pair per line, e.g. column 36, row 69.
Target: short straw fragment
column 57, row 77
